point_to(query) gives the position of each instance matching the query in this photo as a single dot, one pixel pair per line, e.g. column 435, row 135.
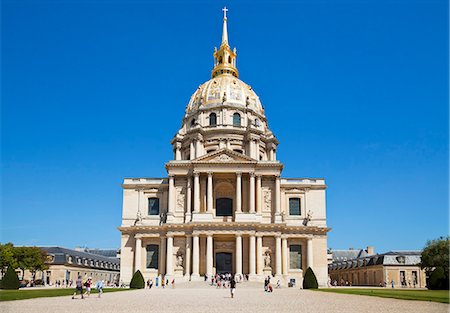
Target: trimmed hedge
column 10, row 280
column 310, row 280
column 137, row 282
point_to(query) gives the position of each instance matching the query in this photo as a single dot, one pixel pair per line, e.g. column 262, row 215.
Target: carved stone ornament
column 267, row 200
column 180, row 198
column 222, row 158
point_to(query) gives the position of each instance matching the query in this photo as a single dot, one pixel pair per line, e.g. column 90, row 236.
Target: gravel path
column 198, row 298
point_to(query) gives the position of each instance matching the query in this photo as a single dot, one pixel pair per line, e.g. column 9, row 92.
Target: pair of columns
column 255, row 194
column 256, row 265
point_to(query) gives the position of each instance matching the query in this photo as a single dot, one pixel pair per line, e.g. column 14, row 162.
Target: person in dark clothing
column 232, row 287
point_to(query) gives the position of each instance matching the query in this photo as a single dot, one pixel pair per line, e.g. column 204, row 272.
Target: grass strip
column 441, row 296
column 22, row 294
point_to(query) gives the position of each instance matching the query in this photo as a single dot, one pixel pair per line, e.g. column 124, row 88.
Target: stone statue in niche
column 179, row 263
column 267, row 259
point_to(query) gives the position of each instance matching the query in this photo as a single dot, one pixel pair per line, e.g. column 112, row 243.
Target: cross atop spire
column 225, row 10
column 225, row 30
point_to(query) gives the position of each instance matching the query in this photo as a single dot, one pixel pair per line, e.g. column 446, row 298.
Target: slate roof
column 411, row 257
column 64, row 256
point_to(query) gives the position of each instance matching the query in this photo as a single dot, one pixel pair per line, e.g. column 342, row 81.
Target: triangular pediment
column 224, row 156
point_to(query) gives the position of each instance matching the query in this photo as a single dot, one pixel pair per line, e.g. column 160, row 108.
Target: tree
column 7, row 258
column 137, row 282
column 10, row 280
column 30, row 258
column 310, row 280
column 435, row 261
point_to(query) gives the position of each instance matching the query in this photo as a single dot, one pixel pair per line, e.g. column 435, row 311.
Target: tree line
column 24, row 258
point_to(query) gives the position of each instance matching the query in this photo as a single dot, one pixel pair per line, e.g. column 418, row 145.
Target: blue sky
column 355, row 91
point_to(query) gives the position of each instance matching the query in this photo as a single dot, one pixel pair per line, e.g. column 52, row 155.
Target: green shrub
column 437, row 280
column 310, row 280
column 10, row 280
column 137, row 282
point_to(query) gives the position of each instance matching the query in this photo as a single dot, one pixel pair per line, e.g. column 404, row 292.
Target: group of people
column 164, row 282
column 224, row 280
column 84, row 288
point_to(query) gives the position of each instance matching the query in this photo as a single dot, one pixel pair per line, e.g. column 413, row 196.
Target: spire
column 225, row 31
column 224, row 58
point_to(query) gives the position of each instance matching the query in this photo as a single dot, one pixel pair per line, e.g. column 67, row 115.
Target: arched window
column 193, row 122
column 229, row 59
column 212, row 119
column 236, row 119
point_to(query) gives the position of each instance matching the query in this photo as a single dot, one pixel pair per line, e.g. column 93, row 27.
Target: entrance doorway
column 224, row 262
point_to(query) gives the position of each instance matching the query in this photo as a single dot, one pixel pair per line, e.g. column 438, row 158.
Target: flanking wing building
column 224, row 207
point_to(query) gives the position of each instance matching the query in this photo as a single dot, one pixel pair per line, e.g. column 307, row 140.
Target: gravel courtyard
column 199, row 297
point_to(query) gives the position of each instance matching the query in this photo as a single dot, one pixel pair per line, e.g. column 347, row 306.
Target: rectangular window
column 294, row 206
column 295, row 257
column 153, row 206
column 152, row 256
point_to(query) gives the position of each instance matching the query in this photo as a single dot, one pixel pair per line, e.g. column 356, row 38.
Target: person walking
column 78, row 288
column 163, row 283
column 232, row 287
column 88, row 284
column 99, row 287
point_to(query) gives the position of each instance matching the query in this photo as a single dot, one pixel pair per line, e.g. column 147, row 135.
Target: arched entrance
column 224, row 262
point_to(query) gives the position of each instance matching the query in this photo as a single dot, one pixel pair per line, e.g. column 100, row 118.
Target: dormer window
column 212, row 119
column 236, row 119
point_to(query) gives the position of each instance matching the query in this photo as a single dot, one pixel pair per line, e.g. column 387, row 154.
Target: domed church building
column 224, row 207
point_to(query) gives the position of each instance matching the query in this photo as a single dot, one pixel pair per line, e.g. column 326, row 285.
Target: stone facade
column 66, row 265
column 392, row 269
column 224, row 206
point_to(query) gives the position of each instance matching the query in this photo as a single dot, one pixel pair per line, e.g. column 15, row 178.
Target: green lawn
column 8, row 295
column 422, row 295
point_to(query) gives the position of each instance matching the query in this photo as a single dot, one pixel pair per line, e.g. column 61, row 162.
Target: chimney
column 370, row 250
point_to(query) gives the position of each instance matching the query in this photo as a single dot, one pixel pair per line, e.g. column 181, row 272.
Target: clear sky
column 355, row 91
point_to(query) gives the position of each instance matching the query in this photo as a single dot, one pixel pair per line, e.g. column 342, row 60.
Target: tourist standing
column 88, row 284
column 78, row 288
column 232, row 287
column 163, row 283
column 151, row 283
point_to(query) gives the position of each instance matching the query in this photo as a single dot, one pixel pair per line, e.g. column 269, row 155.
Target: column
column 209, row 255
column 277, row 195
column 278, row 255
column 137, row 254
column 258, row 194
column 195, row 256
column 238, row 192
column 198, row 151
column 251, row 195
column 209, row 199
column 178, row 151
column 162, row 255
column 169, row 257
column 188, row 199
column 191, row 151
column 238, row 254
column 309, row 253
column 259, row 258
column 284, row 248
column 196, row 192
column 187, row 257
column 171, row 200
column 252, row 252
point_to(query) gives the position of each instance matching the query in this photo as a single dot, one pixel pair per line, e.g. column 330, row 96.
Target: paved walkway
column 198, row 298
